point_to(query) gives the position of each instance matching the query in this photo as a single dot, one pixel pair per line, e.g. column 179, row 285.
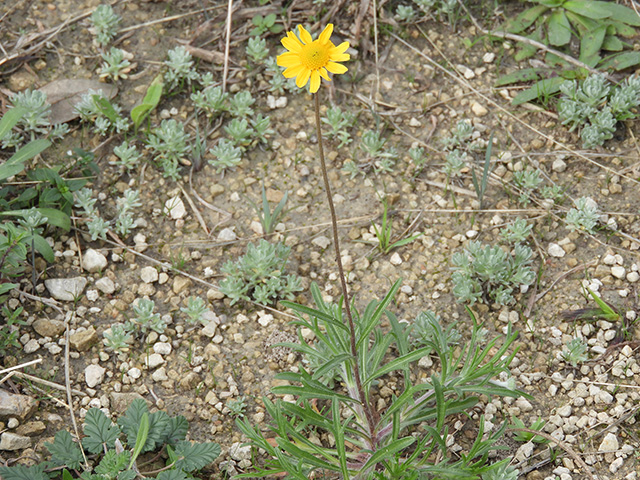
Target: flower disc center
column 315, row 55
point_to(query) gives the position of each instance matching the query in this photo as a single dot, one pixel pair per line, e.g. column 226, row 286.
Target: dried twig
column 561, row 444
column 67, row 382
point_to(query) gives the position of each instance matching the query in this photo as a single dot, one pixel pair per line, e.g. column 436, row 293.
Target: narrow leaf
column 10, row 120
column 525, row 19
column 559, row 28
column 141, row 439
column 520, row 76
column 593, row 9
column 543, row 88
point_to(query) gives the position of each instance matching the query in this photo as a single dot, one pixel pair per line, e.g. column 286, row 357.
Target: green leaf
column 194, row 456
column 149, row 102
column 10, row 120
column 520, row 76
column 620, row 13
column 398, row 364
column 66, row 475
column 612, row 44
column 141, row 438
column 559, row 28
column 621, row 61
column 15, row 164
column 105, row 107
column 43, row 248
column 388, row 451
column 541, row 89
column 176, row 430
column 172, row 475
column 99, row 431
column 7, row 287
column 590, row 45
column 127, row 475
column 593, row 9
column 441, row 404
column 525, row 19
column 64, row 451
column 20, row 472
column 54, row 217
column 113, row 462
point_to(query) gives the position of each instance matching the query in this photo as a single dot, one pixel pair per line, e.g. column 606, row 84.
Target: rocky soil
column 177, row 252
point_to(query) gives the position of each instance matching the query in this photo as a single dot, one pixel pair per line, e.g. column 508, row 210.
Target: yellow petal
column 340, row 48
column 339, row 57
column 291, row 43
column 303, row 77
column 289, row 59
column 304, row 35
column 325, row 36
column 293, row 71
column 334, row 67
column 315, row 81
column 323, row 73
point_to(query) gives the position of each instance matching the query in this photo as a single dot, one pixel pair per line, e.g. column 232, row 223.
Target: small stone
column 12, row 423
column 414, row 122
column 273, row 102
column 478, row 109
column 160, row 375
column 524, row 452
column 633, row 277
column 66, row 289
column 106, row 285
column 565, row 411
column 524, row 404
column 31, row 346
column 556, row 250
column 120, row 401
column 175, row 208
column 83, row 340
column 149, row 274
column 92, row 295
column 16, row 405
column 48, row 328
column 134, row 373
column 618, row 272
column 609, row 443
column 162, row 348
column 31, row 429
column 180, row 284
column 227, row 235
column 609, row 259
column 94, row 375
column 559, row 165
column 489, row 57
column 239, row 451
column 395, row 259
column 321, row 241
column 12, row 441
column 153, row 361
column 93, row 261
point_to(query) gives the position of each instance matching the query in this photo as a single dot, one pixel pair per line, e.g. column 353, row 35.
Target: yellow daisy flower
column 310, row 59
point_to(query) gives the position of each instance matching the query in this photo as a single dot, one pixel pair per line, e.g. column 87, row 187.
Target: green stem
column 345, row 294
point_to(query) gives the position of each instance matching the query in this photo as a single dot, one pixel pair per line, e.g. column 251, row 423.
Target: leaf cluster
column 598, row 27
column 490, row 272
column 595, row 107
column 386, row 444
column 259, row 275
column 115, row 449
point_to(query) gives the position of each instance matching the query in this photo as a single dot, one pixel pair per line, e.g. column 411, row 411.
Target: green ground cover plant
column 121, row 451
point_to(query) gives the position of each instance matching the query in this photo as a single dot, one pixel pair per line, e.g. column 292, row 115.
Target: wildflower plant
column 257, row 49
column 259, row 275
column 195, row 309
column 116, row 64
column 575, row 351
column 179, row 68
column 225, row 155
column 170, row 143
column 367, row 442
column 211, row 100
column 595, row 106
column 584, row 216
column 146, row 319
column 127, row 156
column 105, row 24
column 490, row 272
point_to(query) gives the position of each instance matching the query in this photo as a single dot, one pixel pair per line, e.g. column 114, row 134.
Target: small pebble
column 556, row 250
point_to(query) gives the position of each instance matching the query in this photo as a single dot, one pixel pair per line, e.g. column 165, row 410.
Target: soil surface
column 428, row 76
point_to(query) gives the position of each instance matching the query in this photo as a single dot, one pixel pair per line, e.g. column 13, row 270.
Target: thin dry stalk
column 67, row 382
column 227, row 41
column 565, row 446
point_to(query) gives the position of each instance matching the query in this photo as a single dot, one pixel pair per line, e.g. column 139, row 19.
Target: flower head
column 311, row 59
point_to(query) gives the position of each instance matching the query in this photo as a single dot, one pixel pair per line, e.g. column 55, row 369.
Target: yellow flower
column 310, row 59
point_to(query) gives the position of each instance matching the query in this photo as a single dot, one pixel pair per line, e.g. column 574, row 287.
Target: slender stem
column 345, row 294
